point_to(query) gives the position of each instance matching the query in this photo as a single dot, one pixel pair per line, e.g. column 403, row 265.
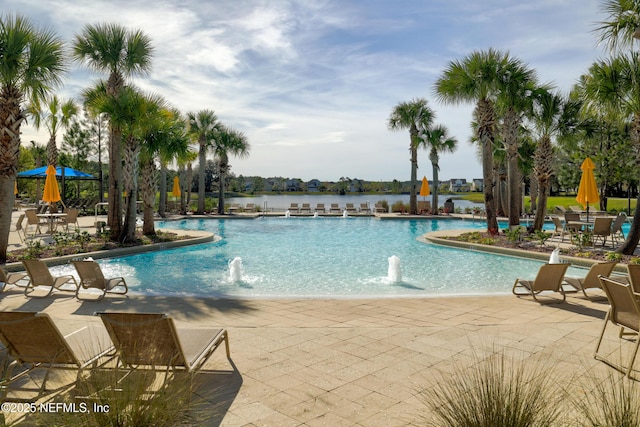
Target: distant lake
column 281, row 202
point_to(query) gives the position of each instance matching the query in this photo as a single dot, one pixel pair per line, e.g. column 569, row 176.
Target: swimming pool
column 318, row 257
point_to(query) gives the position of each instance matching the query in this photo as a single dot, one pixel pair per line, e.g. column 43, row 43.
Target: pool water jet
column 394, row 273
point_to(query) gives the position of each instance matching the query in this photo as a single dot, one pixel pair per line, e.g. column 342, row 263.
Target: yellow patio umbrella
column 588, row 189
column 51, row 192
column 15, row 187
column 424, row 189
column 176, row 187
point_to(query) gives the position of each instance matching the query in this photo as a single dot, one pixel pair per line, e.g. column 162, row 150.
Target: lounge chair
column 306, row 207
column 20, row 229
column 350, row 208
column 424, row 207
column 561, row 209
column 320, row 208
column 624, row 312
column 364, row 208
column 250, row 207
column 91, row 277
column 633, row 278
column 549, row 278
column 572, row 217
column 35, row 342
column 293, row 207
column 576, row 209
column 41, row 277
column 591, row 280
column 235, row 207
column 152, row 339
column 380, row 208
column 17, row 279
column 335, row 208
column 601, row 229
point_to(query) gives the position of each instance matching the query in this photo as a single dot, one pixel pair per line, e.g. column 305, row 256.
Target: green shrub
column 613, row 256
column 634, row 260
column 399, row 207
column 493, row 392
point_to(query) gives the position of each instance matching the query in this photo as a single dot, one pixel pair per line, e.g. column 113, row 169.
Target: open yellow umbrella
column 424, row 189
column 176, row 187
column 588, row 189
column 51, row 191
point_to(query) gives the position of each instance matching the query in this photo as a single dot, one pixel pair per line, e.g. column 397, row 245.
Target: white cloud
column 311, row 83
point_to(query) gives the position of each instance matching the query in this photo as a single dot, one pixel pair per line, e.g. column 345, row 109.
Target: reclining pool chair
column 591, row 280
column 17, row 279
column 35, row 342
column 624, row 312
column 549, row 278
column 41, row 278
column 152, row 340
column 91, row 277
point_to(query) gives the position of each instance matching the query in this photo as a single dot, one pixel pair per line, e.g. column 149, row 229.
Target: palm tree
column 553, row 116
column 620, row 29
column 515, row 83
column 164, row 139
column 416, row 116
column 202, row 127
column 113, row 49
column 185, row 179
column 32, row 65
column 227, row 141
column 55, row 115
column 437, row 140
column 475, row 79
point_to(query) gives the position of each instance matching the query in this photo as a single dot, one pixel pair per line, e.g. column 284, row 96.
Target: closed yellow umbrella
column 424, row 189
column 588, row 189
column 51, row 191
column 176, row 187
column 15, row 187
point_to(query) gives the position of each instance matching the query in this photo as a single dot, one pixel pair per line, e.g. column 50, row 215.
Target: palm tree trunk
column 511, row 125
column 8, row 197
column 188, row 184
column 631, row 242
column 162, row 202
column 202, row 158
column 434, row 194
column 486, row 118
column 52, row 151
column 148, row 192
column 132, row 155
column 114, row 217
column 413, row 149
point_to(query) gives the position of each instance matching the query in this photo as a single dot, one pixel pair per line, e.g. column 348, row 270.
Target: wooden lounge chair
column 35, row 342
column 365, row 209
column 41, row 277
column 306, row 207
column 624, row 312
column 235, row 207
column 250, row 207
column 335, row 208
column 17, row 279
column 293, row 207
column 320, row 208
column 591, row 280
column 380, row 208
column 91, row 277
column 152, row 340
column 549, row 278
column 350, row 208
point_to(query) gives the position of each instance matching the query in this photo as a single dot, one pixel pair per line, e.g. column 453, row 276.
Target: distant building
column 477, row 184
column 314, row 185
column 458, row 184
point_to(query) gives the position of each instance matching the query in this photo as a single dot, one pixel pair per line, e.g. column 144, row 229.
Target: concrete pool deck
column 355, row 362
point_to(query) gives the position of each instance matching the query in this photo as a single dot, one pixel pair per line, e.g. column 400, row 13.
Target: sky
column 311, row 83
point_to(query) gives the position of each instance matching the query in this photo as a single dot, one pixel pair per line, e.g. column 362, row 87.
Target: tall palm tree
column 475, row 78
column 437, row 140
column 416, row 116
column 55, row 115
column 121, row 53
column 227, row 142
column 516, row 81
column 165, row 139
column 32, row 65
column 202, row 128
column 185, row 181
column 553, row 116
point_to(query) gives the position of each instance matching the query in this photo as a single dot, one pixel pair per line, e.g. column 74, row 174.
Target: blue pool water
column 319, row 257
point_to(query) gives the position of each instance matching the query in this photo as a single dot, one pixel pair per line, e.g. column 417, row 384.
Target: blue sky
column 312, row 83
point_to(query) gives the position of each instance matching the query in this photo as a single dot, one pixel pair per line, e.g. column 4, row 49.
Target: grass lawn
column 613, row 204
